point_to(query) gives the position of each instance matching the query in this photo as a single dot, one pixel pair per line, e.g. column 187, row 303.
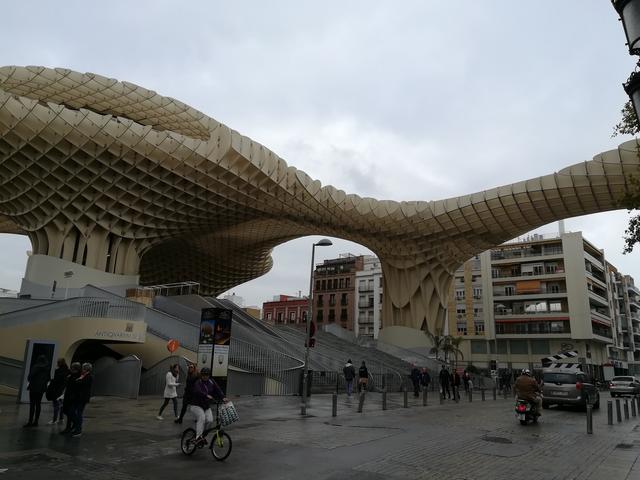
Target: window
column 461, row 312
column 317, row 284
column 478, row 346
column 477, row 293
column 332, row 300
column 320, row 300
column 347, row 283
column 292, row 317
column 477, row 312
column 509, row 290
column 551, row 267
column 332, row 316
column 519, row 347
column 335, row 283
column 553, row 288
column 371, row 284
column 319, row 316
column 324, row 285
column 540, row 347
column 269, row 316
column 535, row 307
column 344, row 299
column 279, row 317
column 370, row 301
column 341, row 283
column 343, row 314
column 538, row 269
column 555, row 306
column 380, row 299
column 304, row 316
column 479, row 328
column 462, row 329
column 495, row 273
column 459, row 294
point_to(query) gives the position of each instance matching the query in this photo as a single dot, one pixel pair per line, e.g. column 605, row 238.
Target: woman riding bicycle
column 204, row 391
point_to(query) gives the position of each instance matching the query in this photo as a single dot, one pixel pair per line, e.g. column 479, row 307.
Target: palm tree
column 452, row 346
column 437, row 340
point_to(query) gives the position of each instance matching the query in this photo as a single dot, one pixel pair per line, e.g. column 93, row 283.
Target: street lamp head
column 632, row 87
column 325, row 242
column 629, row 11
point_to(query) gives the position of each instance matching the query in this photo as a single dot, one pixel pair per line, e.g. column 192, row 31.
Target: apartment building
column 286, row 309
column 334, row 290
column 534, row 297
column 368, row 310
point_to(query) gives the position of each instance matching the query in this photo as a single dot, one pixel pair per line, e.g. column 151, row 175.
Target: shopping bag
column 228, row 414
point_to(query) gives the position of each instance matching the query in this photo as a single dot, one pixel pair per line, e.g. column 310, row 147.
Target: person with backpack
column 349, row 372
column 363, row 377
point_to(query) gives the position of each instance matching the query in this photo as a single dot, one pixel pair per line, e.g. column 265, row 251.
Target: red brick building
column 285, row 309
column 334, row 291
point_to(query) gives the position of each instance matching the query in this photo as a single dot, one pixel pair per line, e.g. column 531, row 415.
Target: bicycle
column 220, row 445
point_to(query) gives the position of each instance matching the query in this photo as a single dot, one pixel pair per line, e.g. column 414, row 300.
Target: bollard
column 441, row 398
column 609, row 412
column 482, row 392
column 505, row 393
column 361, row 402
column 424, row 396
column 633, row 408
column 618, row 411
column 589, row 419
column 495, row 396
column 384, row 399
column 334, row 404
column 626, row 409
column 470, row 395
column 406, row 398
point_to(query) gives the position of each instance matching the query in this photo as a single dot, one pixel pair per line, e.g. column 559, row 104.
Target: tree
column 629, row 125
column 452, row 346
column 438, row 341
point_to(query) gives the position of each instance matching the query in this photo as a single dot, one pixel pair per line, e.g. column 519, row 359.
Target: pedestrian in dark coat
column 55, row 390
column 415, row 379
column 39, row 377
column 192, row 377
column 456, row 384
column 445, row 381
column 82, row 395
column 363, row 377
column 425, row 378
column 349, row 372
column 70, row 393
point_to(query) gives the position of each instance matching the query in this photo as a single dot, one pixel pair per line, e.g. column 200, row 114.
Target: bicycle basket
column 228, row 414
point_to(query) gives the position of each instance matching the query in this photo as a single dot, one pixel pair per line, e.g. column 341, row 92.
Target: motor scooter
column 526, row 412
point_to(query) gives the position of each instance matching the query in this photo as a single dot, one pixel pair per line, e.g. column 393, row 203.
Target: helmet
column 205, row 371
column 526, row 371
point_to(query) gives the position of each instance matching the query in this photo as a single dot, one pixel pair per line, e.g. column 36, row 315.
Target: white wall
column 43, row 270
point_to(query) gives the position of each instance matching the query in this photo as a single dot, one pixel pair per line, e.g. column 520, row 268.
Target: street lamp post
column 325, row 242
column 67, row 275
column 629, row 12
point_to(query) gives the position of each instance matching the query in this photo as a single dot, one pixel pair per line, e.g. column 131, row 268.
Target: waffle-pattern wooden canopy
column 113, row 176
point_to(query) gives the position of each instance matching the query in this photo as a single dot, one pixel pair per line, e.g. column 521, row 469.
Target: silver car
column 626, row 385
column 565, row 386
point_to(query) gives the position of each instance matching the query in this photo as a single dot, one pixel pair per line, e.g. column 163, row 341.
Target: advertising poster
column 205, row 342
column 213, row 346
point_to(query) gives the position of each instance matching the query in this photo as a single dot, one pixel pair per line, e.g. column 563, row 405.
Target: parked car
column 566, row 386
column 626, row 385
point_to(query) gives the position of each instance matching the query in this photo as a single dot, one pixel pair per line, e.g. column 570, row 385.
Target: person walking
column 192, row 378
column 81, row 396
column 456, row 384
column 170, row 392
column 38, row 378
column 425, row 378
column 363, row 377
column 445, row 382
column 349, row 373
column 55, row 390
column 70, row 394
column 415, row 379
column 465, row 380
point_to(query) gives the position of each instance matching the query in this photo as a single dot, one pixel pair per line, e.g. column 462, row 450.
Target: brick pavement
column 479, row 440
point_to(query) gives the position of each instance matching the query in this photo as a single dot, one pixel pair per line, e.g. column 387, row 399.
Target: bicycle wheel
column 220, row 445
column 188, row 441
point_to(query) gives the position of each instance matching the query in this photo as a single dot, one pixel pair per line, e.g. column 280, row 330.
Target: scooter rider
column 528, row 389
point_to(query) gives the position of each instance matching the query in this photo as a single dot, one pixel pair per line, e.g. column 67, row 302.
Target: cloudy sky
column 412, row 100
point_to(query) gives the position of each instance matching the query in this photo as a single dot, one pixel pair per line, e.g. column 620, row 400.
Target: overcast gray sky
column 412, row 100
